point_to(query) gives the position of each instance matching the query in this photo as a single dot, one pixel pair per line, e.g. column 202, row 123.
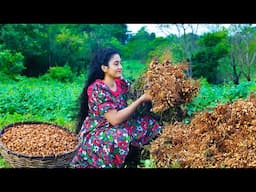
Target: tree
column 139, row 45
column 168, row 45
column 29, row 40
column 187, row 39
column 243, row 50
column 206, row 61
column 48, row 45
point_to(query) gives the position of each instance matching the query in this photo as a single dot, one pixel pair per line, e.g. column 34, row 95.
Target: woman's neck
column 110, row 82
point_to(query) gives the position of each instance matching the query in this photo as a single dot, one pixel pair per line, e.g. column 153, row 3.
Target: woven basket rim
column 39, row 157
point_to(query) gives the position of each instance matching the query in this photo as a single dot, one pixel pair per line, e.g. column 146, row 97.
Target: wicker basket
column 18, row 160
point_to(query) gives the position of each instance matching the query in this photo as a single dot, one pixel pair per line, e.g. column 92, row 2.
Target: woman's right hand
column 145, row 97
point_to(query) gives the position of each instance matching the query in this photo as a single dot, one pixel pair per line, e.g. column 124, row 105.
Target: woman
column 106, row 128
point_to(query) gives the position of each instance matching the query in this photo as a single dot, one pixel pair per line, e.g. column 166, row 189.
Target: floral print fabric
column 104, row 145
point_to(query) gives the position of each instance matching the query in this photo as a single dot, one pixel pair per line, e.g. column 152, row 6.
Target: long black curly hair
column 101, row 57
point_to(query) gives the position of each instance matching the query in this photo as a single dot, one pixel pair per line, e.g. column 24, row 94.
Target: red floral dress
column 104, row 145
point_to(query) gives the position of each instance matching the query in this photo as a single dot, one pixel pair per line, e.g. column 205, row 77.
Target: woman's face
column 114, row 68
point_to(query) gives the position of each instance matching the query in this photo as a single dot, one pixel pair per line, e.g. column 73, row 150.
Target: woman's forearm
column 116, row 117
column 125, row 113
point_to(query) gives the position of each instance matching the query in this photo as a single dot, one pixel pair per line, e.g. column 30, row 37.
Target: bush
column 63, row 74
column 4, row 78
column 11, row 63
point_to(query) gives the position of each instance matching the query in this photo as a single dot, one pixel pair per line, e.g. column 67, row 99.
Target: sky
column 153, row 28
column 149, row 27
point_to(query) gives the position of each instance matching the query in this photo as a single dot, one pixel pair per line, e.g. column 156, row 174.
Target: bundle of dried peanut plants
column 225, row 137
column 169, row 85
